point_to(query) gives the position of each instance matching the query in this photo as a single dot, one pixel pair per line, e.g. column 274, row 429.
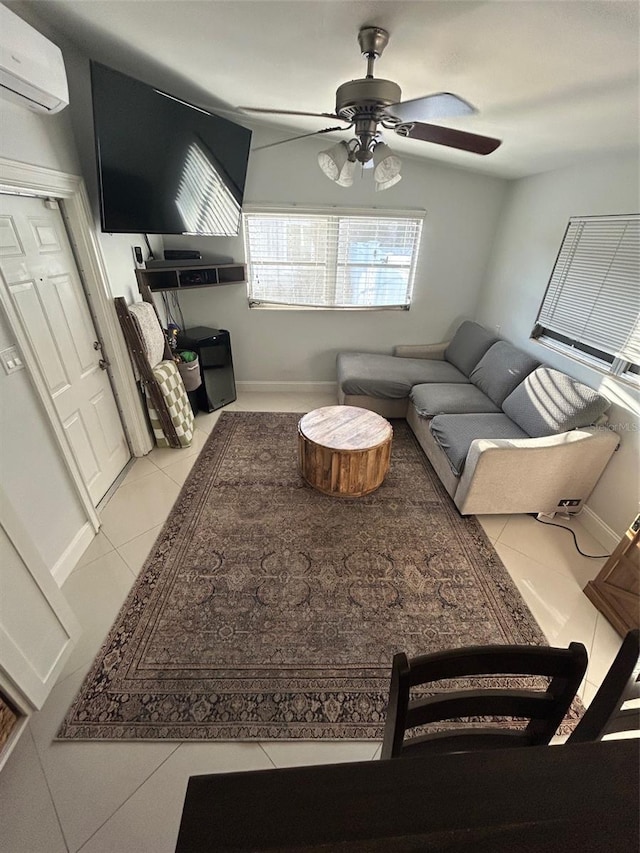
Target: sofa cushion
column 501, row 369
column 468, row 345
column 390, row 376
column 454, row 433
column 443, row 398
column 549, row 402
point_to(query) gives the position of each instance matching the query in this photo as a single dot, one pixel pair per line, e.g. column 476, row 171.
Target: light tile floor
column 127, row 797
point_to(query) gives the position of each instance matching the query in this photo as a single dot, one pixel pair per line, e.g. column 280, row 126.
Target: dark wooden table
column 559, row 799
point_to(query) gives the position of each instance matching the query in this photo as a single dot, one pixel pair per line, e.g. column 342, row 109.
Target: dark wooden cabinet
column 616, row 590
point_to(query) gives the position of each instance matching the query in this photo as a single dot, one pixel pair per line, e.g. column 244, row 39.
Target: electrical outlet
column 569, row 502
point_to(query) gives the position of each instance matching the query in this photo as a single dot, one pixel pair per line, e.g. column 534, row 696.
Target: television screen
column 164, row 166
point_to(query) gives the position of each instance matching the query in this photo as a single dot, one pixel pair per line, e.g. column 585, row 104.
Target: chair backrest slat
column 479, row 703
column 491, row 660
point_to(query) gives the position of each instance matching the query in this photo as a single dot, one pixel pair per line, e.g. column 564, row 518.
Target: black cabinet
column 213, row 347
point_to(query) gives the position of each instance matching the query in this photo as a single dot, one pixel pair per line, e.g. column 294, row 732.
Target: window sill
column 357, row 308
column 586, row 360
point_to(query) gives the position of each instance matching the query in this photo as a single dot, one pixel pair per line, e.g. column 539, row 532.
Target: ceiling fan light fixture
column 384, row 185
column 345, row 178
column 332, row 160
column 386, row 164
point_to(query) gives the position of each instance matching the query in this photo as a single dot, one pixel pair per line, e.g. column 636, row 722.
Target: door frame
column 24, row 178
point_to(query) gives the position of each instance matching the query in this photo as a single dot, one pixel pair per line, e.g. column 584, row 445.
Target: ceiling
column 556, row 80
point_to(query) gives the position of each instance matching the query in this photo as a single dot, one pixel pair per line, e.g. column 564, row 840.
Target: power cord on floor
column 568, row 529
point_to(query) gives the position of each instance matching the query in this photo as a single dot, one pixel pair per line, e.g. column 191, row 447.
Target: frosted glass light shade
column 387, row 165
column 345, row 178
column 333, row 160
column 384, row 185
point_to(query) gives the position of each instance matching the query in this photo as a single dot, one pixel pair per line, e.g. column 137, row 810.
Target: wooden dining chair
column 542, row 707
column 615, row 709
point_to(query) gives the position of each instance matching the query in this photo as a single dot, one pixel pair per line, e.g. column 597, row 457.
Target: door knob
column 104, row 363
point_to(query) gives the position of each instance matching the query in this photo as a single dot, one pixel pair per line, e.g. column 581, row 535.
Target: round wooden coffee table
column 344, row 451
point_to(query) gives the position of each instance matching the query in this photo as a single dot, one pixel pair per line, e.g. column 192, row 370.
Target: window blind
column 322, row 260
column 593, row 296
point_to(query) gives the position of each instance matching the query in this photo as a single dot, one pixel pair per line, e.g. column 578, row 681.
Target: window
column 320, row 259
column 592, row 302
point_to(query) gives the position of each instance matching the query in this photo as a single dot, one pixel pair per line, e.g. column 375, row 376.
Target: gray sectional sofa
column 504, row 433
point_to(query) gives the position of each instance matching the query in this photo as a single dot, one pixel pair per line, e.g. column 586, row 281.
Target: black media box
column 181, row 255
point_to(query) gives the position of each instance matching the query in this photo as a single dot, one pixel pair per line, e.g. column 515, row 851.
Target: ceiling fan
column 369, row 104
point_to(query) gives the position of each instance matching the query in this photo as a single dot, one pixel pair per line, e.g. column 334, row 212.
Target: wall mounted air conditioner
column 31, row 67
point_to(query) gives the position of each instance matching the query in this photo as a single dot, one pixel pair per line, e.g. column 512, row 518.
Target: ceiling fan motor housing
column 366, row 97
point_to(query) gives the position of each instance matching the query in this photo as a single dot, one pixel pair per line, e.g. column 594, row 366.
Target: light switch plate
column 11, row 360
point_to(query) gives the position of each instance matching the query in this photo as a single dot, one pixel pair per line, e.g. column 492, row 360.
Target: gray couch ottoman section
column 438, row 399
column 454, row 433
column 501, row 369
column 549, row 402
column 468, row 345
column 389, row 376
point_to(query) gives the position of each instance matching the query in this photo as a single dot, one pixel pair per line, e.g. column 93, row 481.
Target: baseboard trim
column 296, row 387
column 67, row 562
column 594, row 525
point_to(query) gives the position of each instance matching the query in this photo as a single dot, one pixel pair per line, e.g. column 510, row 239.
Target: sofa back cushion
column 501, row 369
column 468, row 345
column 548, row 402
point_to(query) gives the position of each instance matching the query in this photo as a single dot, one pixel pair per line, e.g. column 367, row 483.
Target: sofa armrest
column 533, row 474
column 421, row 350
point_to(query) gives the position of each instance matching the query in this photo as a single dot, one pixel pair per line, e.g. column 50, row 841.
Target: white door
column 37, row 628
column 39, row 269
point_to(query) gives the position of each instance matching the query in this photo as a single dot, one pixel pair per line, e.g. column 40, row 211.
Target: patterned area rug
column 269, row 610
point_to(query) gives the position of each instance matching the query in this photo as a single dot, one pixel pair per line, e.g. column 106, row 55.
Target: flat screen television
column 164, row 166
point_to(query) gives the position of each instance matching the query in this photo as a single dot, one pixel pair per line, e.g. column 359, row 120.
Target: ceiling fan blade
column 448, row 136
column 439, row 105
column 292, row 113
column 293, row 138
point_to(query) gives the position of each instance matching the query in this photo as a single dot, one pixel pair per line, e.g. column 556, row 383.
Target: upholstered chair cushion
column 145, row 318
column 444, row 398
column 389, row 376
column 454, row 433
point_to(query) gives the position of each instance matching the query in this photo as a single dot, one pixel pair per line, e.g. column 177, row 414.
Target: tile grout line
column 46, row 782
column 124, row 802
column 565, row 575
column 269, row 759
column 592, row 643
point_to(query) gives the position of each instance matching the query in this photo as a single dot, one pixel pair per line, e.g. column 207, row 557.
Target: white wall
column 530, row 232
column 287, row 345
